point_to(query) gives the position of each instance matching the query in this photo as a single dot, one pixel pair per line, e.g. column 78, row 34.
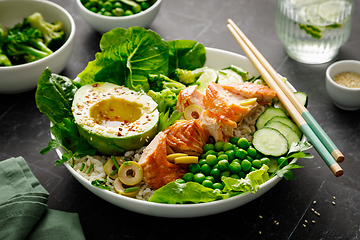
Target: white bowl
column 216, row 59
column 104, row 24
column 21, row 78
column 343, row 97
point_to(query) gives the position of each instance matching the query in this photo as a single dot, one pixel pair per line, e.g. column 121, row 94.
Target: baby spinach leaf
column 54, row 96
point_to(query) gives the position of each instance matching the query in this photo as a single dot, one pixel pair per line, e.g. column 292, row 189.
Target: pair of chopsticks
column 301, row 116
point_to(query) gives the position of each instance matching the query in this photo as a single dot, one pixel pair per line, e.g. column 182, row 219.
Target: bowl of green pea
column 104, row 15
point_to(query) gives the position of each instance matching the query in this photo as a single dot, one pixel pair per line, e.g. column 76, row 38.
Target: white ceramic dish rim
column 120, row 17
column 69, row 38
column 186, row 210
column 344, row 63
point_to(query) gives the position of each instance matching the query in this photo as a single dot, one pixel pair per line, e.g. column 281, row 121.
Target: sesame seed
column 306, row 221
column 334, row 197
column 277, row 223
column 260, row 216
column 304, row 225
column 333, row 203
column 313, row 221
column 314, row 202
column 259, row 232
column 312, row 209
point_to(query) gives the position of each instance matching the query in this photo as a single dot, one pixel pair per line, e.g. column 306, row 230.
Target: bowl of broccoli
column 34, row 35
column 104, row 15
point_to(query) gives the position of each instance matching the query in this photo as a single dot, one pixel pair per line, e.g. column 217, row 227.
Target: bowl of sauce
column 343, row 84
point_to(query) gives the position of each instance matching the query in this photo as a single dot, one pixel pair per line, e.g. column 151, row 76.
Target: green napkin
column 23, row 209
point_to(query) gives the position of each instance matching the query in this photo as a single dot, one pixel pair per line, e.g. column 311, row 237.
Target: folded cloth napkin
column 23, row 210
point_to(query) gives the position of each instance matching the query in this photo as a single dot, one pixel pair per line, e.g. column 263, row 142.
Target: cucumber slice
column 270, row 142
column 289, row 134
column 267, row 115
column 302, row 97
column 288, row 122
column 273, row 165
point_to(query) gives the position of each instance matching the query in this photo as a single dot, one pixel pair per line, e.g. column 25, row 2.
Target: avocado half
column 114, row 119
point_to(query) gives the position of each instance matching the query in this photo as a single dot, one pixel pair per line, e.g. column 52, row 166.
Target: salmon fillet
column 225, row 103
column 220, row 127
column 263, row 94
column 189, row 96
column 157, row 170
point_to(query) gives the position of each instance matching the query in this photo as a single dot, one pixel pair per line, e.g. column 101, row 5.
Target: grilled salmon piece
column 220, row 127
column 263, row 94
column 225, row 103
column 186, row 137
column 158, row 171
column 189, row 96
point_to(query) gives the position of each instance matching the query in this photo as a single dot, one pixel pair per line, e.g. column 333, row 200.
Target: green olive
column 110, row 168
column 123, row 190
column 130, row 173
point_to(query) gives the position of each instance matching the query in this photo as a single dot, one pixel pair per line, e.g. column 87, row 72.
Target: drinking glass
column 313, row 31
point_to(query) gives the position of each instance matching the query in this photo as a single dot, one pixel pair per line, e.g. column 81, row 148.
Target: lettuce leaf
column 183, row 193
column 186, row 54
column 127, row 56
column 250, row 183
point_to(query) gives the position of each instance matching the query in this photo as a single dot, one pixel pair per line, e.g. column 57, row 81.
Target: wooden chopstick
column 335, row 152
column 290, row 107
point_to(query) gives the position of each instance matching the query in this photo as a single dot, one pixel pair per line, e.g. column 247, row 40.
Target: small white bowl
column 21, row 78
column 343, row 97
column 104, row 24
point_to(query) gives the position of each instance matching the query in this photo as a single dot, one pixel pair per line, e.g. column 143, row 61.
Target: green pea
column 234, row 140
column 234, row 176
column 211, row 159
column 180, row 180
column 83, row 2
column 243, row 143
column 144, row 5
column 93, row 9
column 256, row 163
column 211, row 178
column 227, row 146
column 128, row 13
column 224, row 165
column 231, row 154
column 215, row 172
column 210, row 152
column 246, row 165
column 118, row 12
column 88, row 5
column 207, row 183
column 235, row 167
column 107, row 13
column 199, row 177
column 117, row 5
column 252, row 152
column 223, row 156
column 240, row 154
column 188, row 177
column 194, row 168
column 225, row 174
column 220, row 153
column 265, row 161
column 282, row 161
column 108, row 6
column 218, row 186
column 208, row 147
column 242, row 174
column 219, row 146
column 250, row 159
column 202, row 162
column 236, row 160
column 259, row 155
column 205, row 169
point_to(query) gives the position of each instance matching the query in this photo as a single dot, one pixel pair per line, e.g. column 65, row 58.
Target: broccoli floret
column 161, row 82
column 24, row 44
column 4, row 60
column 53, row 34
column 166, row 100
column 186, row 77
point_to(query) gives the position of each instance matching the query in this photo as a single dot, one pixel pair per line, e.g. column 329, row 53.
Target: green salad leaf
column 186, row 54
column 183, row 193
column 54, row 95
column 127, row 57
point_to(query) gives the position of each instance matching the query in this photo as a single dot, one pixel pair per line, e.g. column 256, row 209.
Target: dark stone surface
column 24, row 131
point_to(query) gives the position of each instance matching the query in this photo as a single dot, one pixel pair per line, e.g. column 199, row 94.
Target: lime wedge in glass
column 331, row 11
